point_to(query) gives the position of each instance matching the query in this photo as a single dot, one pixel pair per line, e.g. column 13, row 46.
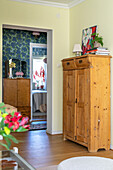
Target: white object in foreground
column 15, row 149
column 1, row 137
column 86, row 163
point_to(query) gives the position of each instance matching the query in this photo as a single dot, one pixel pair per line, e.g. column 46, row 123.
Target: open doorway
column 38, row 71
column 20, row 52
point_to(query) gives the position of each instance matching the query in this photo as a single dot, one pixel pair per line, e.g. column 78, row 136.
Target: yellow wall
column 31, row 15
column 67, row 30
column 90, row 13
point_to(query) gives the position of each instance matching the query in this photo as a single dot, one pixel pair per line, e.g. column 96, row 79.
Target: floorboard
column 41, row 149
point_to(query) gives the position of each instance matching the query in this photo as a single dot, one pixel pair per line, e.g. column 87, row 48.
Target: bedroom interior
column 80, row 105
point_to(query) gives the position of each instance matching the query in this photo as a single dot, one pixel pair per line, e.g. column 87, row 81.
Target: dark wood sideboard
column 16, row 92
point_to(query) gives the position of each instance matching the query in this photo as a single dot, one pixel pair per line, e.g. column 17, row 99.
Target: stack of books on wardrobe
column 99, row 51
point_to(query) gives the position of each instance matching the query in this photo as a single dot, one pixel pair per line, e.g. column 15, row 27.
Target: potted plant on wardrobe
column 97, row 41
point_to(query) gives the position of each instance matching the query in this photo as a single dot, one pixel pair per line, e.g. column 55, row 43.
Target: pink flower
column 21, row 73
column 7, row 119
column 24, row 121
column 13, row 121
column 17, row 73
column 10, row 124
column 26, row 126
column 34, row 77
column 36, row 73
column 16, row 126
column 18, row 115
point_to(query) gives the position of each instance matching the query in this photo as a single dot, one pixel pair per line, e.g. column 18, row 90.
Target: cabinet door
column 23, row 92
column 68, row 103
column 82, row 106
column 10, row 92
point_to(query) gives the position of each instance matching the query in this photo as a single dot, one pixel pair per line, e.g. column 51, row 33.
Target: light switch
column 59, row 65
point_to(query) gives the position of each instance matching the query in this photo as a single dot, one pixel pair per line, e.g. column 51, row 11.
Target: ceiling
column 56, row 3
column 60, row 1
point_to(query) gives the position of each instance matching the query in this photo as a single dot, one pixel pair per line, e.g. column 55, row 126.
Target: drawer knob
column 80, row 61
column 68, row 63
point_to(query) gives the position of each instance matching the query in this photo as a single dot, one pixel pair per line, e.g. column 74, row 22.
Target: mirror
column 14, row 66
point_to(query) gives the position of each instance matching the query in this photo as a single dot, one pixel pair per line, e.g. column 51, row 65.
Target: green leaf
column 93, row 34
column 2, row 123
column 7, row 141
column 13, row 138
column 13, row 113
column 97, row 38
column 21, row 129
column 4, row 145
column 3, row 134
column 2, row 104
column 3, row 110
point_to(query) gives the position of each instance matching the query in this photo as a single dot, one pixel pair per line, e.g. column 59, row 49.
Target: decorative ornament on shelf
column 77, row 49
column 11, row 65
column 11, row 122
column 19, row 74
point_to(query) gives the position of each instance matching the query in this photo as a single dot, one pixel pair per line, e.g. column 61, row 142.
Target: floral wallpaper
column 16, row 45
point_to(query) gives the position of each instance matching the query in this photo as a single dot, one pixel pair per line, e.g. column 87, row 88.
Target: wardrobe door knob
column 68, row 63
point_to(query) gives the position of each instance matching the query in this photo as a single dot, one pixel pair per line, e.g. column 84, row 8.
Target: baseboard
column 57, row 132
column 54, row 132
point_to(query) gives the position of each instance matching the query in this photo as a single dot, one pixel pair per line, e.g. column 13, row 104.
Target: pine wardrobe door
column 68, row 103
column 82, row 105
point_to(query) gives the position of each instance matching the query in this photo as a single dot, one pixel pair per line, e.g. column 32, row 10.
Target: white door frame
column 31, row 69
column 50, row 69
column 49, row 80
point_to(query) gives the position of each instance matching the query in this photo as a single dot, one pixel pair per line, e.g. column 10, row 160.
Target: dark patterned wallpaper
column 16, row 45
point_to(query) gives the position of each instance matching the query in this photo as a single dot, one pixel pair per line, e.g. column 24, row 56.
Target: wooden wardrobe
column 86, row 101
column 17, row 93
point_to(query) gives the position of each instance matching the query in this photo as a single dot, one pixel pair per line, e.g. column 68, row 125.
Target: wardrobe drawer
column 69, row 64
column 82, row 62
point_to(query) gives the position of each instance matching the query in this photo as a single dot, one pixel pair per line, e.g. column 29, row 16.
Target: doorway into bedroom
column 16, row 46
column 38, row 71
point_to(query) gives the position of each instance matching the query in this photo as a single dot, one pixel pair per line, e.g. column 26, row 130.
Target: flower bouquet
column 9, row 123
column 19, row 74
column 39, row 78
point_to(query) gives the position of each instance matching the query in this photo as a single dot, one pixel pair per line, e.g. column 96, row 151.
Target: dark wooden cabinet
column 17, row 93
column 86, row 101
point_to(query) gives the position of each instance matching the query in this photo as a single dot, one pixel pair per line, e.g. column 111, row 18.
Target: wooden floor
column 41, row 149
